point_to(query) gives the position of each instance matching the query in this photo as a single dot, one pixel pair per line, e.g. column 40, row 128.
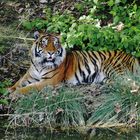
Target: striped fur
column 51, row 65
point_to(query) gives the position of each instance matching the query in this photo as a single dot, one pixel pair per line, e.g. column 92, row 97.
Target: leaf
column 3, row 101
column 116, row 19
column 111, row 3
column 27, row 24
column 117, row 1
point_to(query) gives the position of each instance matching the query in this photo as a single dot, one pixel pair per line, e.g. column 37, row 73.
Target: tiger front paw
column 23, row 90
column 15, row 96
column 11, row 89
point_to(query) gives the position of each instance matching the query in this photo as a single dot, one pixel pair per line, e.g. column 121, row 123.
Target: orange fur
column 51, row 66
column 65, row 72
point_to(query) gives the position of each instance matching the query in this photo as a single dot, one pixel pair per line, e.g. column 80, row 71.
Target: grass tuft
column 116, row 104
column 122, row 103
column 53, row 107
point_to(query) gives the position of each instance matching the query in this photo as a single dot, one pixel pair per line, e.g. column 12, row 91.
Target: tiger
column 51, row 64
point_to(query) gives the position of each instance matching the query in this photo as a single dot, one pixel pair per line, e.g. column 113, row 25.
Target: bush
column 106, row 25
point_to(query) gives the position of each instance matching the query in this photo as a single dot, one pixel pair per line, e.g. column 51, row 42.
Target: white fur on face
column 42, row 60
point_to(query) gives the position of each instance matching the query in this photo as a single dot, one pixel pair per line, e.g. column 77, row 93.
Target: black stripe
column 66, row 66
column 87, row 67
column 111, row 69
column 112, row 58
column 50, row 77
column 88, row 79
column 117, row 57
column 106, row 67
column 34, row 65
column 77, row 78
column 92, row 59
column 93, row 76
column 29, row 81
column 61, row 52
column 37, row 54
column 94, row 62
column 126, row 58
column 102, row 55
column 34, row 78
column 94, row 55
column 83, row 54
column 79, row 67
column 48, row 71
column 82, row 74
column 86, row 62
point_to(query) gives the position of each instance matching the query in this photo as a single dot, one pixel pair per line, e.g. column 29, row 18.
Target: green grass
column 118, row 105
column 62, row 107
column 122, row 103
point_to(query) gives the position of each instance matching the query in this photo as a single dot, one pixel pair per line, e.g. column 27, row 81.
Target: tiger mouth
column 46, row 60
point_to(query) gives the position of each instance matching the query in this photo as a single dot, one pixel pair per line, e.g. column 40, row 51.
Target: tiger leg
column 18, row 84
column 38, row 86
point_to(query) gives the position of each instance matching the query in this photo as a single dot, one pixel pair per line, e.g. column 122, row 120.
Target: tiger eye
column 56, row 42
column 44, row 42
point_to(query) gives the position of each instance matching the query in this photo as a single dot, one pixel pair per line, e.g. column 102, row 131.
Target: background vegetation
column 93, row 24
column 83, row 25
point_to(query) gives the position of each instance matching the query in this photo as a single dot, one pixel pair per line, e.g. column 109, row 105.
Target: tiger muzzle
column 46, row 60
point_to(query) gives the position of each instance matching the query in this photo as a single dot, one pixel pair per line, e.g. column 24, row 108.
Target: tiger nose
column 50, row 53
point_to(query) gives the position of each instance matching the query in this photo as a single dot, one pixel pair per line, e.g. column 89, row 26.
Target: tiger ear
column 36, row 35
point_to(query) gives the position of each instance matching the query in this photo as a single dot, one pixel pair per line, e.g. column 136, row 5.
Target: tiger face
column 48, row 52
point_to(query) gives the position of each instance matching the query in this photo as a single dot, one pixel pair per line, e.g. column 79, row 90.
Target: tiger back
column 51, row 64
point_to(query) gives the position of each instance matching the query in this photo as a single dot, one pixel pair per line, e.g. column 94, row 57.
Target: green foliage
column 68, row 107
column 63, row 108
column 37, row 23
column 55, row 23
column 2, row 47
column 122, row 103
column 4, row 92
column 91, row 31
column 106, row 25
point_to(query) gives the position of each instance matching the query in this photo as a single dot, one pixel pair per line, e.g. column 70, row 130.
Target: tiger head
column 47, row 51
